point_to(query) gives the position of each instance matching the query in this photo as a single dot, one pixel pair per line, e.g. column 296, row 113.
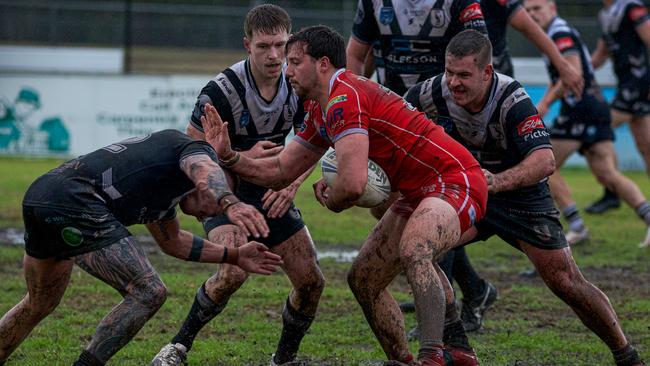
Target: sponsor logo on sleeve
column 564, row 43
column 471, row 12
column 638, row 13
column 530, row 124
column 337, row 99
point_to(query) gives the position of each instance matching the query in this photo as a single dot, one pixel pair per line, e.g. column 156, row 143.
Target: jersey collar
column 336, row 74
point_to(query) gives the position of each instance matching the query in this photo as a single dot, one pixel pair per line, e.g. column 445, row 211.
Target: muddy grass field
column 527, row 325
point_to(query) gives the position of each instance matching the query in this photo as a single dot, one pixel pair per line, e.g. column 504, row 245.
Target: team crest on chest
column 386, row 15
column 438, row 18
column 245, row 118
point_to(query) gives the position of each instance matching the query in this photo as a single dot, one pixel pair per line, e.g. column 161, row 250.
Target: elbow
column 354, row 191
column 549, row 166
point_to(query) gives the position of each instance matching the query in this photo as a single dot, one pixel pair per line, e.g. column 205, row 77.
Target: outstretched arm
column 252, row 257
column 213, row 195
column 275, row 172
column 570, row 76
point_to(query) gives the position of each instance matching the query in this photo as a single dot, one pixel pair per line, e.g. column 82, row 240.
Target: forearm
column 600, row 55
column 536, row 166
column 266, row 172
column 193, row 248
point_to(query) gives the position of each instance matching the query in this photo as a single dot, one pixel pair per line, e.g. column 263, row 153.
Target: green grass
column 527, row 326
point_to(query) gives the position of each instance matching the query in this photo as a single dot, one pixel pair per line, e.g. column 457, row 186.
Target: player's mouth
column 274, row 67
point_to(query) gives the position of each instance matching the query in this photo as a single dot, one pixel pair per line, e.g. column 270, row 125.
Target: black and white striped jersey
column 501, row 135
column 250, row 117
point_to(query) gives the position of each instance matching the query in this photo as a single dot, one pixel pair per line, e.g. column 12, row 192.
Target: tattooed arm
column 252, row 257
column 213, row 196
column 536, row 166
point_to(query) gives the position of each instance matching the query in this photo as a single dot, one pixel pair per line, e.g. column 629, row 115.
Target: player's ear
column 324, row 64
column 247, row 44
column 487, row 72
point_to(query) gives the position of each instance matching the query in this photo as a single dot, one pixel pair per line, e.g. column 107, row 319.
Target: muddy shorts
column 61, row 233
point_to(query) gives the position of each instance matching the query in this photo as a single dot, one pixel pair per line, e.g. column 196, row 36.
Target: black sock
column 471, row 284
column 203, row 310
column 454, row 333
column 643, row 210
column 294, row 327
column 626, row 356
column 447, row 265
column 87, row 359
column 609, row 194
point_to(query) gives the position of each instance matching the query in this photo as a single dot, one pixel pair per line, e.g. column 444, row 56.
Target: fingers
column 265, row 144
column 268, row 198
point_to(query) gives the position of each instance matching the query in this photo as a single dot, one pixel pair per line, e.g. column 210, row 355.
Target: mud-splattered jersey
column 402, row 141
column 138, row 179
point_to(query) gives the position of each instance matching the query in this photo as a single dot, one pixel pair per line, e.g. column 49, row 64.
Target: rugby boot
column 577, row 237
column 473, row 309
column 409, row 361
column 437, row 359
column 171, row 355
column 646, row 243
column 458, row 356
column 607, row 202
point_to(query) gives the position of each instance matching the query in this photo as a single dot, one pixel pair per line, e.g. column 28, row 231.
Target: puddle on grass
column 339, row 255
column 13, row 236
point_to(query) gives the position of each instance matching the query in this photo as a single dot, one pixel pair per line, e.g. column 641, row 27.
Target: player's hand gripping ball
column 377, row 189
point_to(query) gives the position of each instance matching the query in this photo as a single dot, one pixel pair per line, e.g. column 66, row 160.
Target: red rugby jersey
column 404, row 142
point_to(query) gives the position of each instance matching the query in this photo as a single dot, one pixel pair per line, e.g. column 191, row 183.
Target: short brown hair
column 471, row 43
column 267, row 19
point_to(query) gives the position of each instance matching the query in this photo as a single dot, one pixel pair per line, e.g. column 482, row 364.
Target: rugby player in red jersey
column 442, row 185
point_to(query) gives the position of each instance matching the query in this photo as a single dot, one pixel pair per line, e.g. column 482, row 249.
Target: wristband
column 223, row 195
column 225, row 208
column 230, row 258
column 226, row 163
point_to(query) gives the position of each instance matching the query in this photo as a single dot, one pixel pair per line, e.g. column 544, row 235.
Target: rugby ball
column 377, row 189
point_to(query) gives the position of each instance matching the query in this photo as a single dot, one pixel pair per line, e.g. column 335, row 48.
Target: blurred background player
column 583, row 125
column 626, row 38
column 493, row 117
column 256, row 97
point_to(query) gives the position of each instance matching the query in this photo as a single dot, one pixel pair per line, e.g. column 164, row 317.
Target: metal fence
column 199, row 23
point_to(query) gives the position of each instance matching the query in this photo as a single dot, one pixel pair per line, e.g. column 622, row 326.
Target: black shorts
column 61, row 233
column 633, row 97
column 281, row 228
column 588, row 122
column 527, row 214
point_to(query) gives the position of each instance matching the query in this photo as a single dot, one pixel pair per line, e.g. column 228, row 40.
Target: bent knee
column 151, row 292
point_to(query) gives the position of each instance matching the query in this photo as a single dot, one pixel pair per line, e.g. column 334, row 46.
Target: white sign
column 76, row 114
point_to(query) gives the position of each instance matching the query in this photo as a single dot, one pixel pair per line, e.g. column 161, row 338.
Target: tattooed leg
column 46, row 280
column 126, row 268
